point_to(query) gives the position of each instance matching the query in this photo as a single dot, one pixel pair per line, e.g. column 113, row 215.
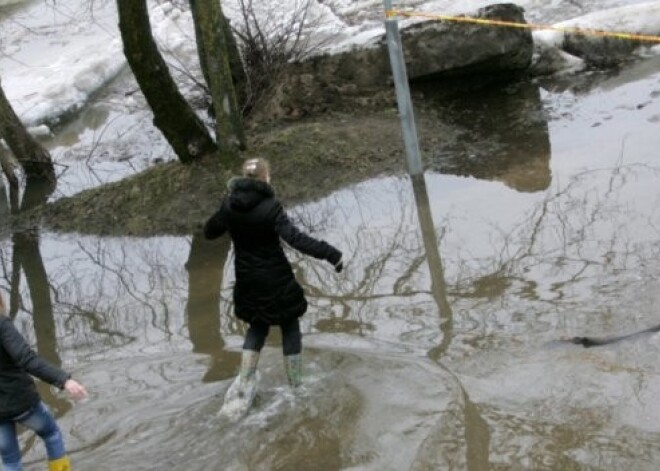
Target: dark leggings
column 291, row 337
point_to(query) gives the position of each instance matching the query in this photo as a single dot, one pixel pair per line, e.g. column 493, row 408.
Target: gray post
column 413, row 156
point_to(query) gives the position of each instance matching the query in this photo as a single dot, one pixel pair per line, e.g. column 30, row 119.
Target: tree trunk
column 199, row 41
column 238, row 74
column 8, row 169
column 215, row 38
column 174, row 117
column 34, row 159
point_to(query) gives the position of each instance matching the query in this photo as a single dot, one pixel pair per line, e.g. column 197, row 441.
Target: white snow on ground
column 643, row 18
column 55, row 55
column 53, row 60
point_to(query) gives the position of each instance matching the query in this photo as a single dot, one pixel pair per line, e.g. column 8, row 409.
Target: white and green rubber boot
column 242, row 391
column 293, row 368
column 248, row 373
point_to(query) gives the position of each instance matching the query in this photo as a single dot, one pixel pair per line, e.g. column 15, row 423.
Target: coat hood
column 246, row 193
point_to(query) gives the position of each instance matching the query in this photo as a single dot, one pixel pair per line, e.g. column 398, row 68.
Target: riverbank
column 310, row 158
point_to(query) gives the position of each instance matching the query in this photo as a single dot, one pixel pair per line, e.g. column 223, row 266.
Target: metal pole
column 413, row 155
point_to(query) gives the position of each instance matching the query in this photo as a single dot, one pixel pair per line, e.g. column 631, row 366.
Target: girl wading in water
column 266, row 292
column 20, row 402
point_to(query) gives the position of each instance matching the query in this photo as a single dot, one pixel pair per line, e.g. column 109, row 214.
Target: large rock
column 600, row 52
column 432, row 49
column 437, row 48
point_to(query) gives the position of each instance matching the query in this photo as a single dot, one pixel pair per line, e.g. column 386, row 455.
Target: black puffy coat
column 266, row 288
column 18, row 361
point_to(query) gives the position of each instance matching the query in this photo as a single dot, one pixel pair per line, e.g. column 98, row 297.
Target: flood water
column 537, row 219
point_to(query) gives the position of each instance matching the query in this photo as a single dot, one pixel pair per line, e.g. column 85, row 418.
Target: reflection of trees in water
column 381, row 267
column 591, row 231
column 584, row 229
column 477, row 435
column 580, row 229
column 205, row 267
column 384, row 267
column 112, row 292
column 385, row 257
column 493, row 132
column 118, row 291
column 26, row 251
column 26, row 257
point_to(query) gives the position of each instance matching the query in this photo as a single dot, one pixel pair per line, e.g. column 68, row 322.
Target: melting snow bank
column 554, row 51
column 56, row 58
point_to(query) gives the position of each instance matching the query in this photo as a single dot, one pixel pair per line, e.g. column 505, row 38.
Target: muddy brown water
column 435, row 349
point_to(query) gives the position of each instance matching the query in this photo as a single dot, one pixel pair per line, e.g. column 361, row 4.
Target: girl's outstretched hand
column 75, row 389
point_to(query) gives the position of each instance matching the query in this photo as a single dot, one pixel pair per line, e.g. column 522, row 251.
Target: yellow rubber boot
column 60, row 464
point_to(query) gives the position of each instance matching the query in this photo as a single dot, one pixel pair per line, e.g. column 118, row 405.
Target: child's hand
column 75, row 389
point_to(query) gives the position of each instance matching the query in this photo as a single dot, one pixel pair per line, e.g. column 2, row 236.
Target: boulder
column 432, row 49
column 438, row 49
column 603, row 52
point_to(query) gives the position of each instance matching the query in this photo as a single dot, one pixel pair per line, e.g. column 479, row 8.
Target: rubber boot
column 293, row 368
column 242, row 391
column 248, row 373
column 60, row 464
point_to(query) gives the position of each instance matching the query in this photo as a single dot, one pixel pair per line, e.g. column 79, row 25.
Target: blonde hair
column 256, row 168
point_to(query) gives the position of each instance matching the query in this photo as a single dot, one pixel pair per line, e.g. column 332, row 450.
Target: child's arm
column 23, row 356
column 305, row 243
column 216, row 225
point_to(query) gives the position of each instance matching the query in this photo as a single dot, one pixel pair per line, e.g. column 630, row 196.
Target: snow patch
column 55, row 72
column 55, row 56
column 643, row 18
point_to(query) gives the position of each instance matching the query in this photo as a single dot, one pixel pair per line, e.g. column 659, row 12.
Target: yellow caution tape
column 513, row 24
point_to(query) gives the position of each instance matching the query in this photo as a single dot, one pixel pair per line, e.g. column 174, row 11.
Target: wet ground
column 437, row 348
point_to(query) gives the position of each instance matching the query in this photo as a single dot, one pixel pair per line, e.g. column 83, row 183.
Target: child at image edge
column 266, row 292
column 20, row 402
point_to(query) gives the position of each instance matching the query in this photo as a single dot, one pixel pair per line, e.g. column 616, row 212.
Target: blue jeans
column 41, row 420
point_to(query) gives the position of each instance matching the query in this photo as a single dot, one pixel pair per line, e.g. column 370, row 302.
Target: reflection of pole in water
column 477, row 435
column 205, row 267
column 438, row 286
